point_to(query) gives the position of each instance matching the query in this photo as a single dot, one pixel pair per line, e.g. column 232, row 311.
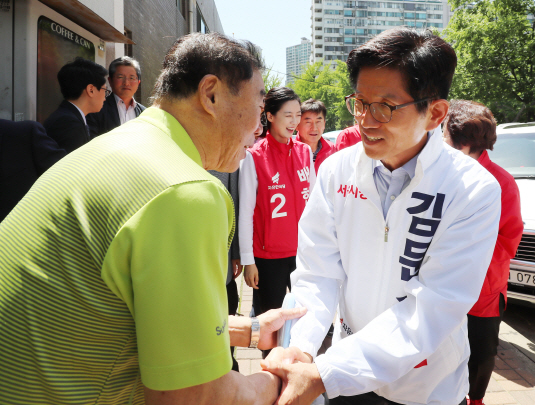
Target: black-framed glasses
column 381, row 112
column 108, row 92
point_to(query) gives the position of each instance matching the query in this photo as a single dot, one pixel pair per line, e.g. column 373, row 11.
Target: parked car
column 332, row 135
column 515, row 152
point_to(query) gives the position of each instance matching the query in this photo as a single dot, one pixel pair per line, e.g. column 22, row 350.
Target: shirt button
column 392, row 197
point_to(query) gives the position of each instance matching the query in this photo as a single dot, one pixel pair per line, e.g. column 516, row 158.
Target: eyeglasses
column 108, row 92
column 381, row 112
column 125, row 78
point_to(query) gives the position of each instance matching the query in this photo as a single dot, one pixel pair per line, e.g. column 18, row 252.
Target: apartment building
column 340, row 26
column 297, row 57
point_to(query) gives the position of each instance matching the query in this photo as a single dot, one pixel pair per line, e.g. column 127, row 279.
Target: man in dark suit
column 120, row 106
column 83, row 85
column 26, row 152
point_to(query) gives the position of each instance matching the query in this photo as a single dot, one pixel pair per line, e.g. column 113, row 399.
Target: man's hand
column 251, row 275
column 271, row 321
column 301, row 382
column 236, row 267
column 288, row 356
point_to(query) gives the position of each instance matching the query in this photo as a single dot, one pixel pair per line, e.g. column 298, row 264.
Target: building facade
column 297, row 57
column 155, row 25
column 340, row 26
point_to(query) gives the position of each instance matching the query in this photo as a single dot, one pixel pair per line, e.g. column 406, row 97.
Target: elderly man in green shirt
column 113, row 267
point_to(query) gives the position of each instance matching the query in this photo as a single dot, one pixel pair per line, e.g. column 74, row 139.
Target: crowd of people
column 118, row 266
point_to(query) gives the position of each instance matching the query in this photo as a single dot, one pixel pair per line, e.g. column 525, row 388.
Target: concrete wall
column 155, row 26
column 113, row 12
column 210, row 14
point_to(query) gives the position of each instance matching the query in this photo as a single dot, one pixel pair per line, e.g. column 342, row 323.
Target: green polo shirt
column 112, row 272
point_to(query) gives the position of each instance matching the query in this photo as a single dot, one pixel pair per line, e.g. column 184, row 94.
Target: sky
column 273, row 25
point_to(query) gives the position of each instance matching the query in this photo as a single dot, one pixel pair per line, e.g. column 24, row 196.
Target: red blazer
column 348, row 137
column 283, row 173
column 509, row 234
column 327, row 149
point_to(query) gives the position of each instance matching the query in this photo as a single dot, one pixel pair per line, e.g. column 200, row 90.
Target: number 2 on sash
column 276, row 213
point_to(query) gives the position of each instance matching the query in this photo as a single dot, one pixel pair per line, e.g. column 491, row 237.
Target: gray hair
column 196, row 55
column 125, row 61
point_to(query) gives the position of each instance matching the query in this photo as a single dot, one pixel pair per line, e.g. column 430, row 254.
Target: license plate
column 522, row 277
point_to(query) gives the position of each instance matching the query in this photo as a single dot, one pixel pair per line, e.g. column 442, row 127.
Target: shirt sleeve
column 169, row 264
column 248, row 187
column 403, row 336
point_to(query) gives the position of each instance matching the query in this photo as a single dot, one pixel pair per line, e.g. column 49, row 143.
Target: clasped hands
column 301, row 381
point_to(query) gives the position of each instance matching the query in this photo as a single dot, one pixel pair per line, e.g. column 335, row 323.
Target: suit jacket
column 66, row 126
column 108, row 118
column 26, row 152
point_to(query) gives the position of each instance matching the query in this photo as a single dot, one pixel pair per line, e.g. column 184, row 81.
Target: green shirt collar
column 172, row 128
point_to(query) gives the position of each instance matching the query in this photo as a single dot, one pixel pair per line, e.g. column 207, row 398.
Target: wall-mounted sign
column 56, row 46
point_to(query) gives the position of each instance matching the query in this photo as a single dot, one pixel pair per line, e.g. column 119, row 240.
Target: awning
column 88, row 19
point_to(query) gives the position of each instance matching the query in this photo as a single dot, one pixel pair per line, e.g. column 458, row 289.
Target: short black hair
column 425, row 60
column 315, row 106
column 196, row 55
column 125, row 61
column 470, row 123
column 276, row 97
column 75, row 76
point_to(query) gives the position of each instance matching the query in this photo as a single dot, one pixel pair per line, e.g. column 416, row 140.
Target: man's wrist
column 239, row 331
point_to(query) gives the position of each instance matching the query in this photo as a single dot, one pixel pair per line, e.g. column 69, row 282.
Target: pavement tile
column 524, row 397
column 527, row 375
column 505, row 345
column 514, row 363
column 505, row 375
column 515, row 385
column 499, row 398
column 494, row 386
column 507, row 354
column 501, row 365
column 248, row 354
column 245, row 366
column 255, row 366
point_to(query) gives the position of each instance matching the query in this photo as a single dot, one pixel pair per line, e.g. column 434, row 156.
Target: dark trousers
column 371, row 398
column 233, row 300
column 273, row 279
column 483, row 337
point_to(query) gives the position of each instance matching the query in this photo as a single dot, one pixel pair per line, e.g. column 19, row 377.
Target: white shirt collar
column 81, row 112
column 120, row 100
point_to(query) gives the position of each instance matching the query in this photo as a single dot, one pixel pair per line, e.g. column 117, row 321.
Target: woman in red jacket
column 471, row 128
column 276, row 178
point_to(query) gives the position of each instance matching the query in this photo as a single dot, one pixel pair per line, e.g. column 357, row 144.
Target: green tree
column 271, row 79
column 495, row 45
column 330, row 86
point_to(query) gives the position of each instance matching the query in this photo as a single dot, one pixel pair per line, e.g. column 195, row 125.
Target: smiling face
column 285, row 121
column 399, row 140
column 311, row 128
column 240, row 122
column 124, row 82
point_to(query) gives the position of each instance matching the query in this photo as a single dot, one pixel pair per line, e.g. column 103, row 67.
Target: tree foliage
column 495, row 45
column 330, row 86
column 271, row 79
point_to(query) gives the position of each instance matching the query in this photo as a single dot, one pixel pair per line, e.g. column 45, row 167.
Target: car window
column 515, row 153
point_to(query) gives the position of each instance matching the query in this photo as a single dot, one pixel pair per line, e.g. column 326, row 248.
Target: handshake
column 298, row 379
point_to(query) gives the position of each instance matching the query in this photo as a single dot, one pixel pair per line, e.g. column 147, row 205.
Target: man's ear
column 209, row 91
column 91, row 90
column 436, row 113
column 109, row 80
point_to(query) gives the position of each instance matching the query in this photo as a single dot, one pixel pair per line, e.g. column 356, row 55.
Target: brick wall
column 155, row 26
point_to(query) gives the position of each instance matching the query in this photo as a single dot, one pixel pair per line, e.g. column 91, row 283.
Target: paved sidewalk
column 513, row 380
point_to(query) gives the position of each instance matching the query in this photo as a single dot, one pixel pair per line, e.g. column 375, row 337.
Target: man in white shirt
column 120, row 107
column 398, row 234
